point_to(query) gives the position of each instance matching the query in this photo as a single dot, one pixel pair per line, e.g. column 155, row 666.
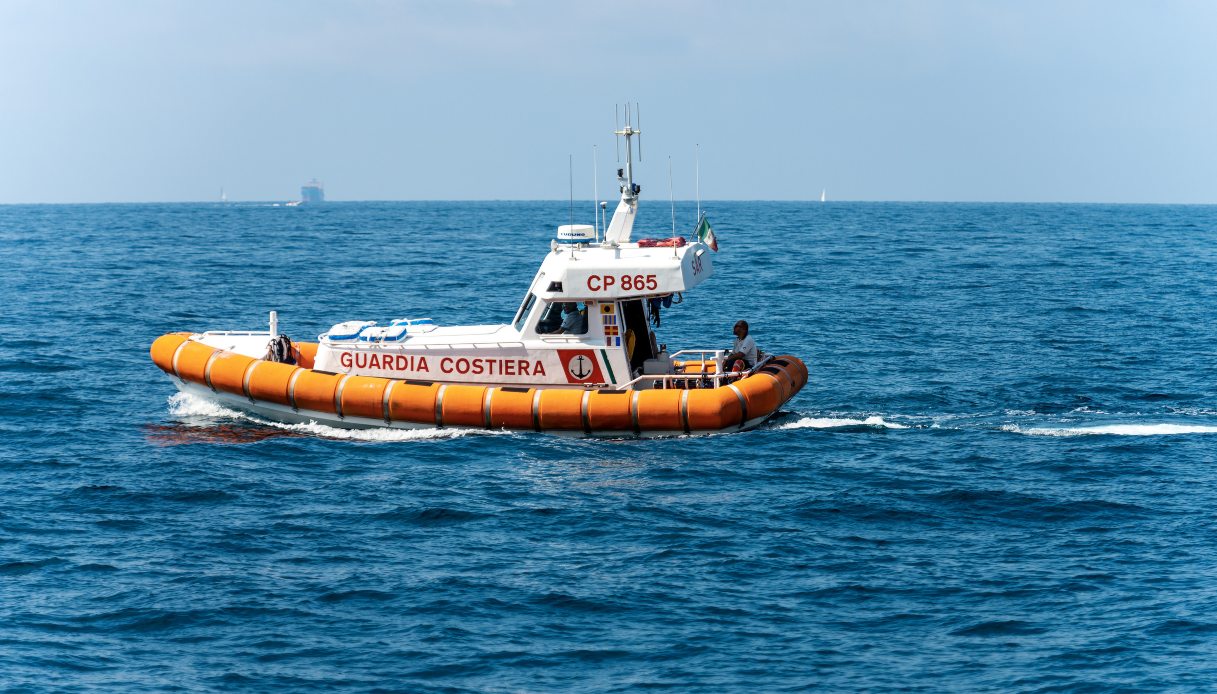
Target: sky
column 911, row 100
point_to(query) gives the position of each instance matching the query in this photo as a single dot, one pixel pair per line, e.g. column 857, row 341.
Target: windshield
column 551, row 318
column 525, row 307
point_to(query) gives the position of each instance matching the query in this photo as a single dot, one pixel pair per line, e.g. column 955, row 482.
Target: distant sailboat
column 223, row 196
column 823, row 194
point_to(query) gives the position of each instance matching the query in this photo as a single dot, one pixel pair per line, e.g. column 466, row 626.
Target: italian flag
column 706, row 235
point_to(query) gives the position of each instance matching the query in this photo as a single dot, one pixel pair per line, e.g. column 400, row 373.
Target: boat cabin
column 584, row 322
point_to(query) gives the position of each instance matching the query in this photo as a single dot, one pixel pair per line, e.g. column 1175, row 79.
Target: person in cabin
column 743, row 355
column 574, row 319
column 551, row 319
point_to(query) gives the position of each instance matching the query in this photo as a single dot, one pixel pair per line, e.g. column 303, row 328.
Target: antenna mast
column 628, row 132
column 618, row 230
column 638, row 114
column 616, row 127
column 671, row 195
column 697, row 177
column 596, row 192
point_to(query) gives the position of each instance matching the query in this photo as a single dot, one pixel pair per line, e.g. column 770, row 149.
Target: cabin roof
column 598, row 273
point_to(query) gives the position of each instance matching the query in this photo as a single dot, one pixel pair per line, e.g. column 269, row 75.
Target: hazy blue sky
column 156, row 100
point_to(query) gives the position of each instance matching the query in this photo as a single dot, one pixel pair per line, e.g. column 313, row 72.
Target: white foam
column 1114, row 430
column 380, row 434
column 837, row 422
column 1193, row 412
column 187, row 405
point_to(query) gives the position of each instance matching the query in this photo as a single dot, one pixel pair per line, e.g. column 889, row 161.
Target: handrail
column 716, row 353
column 717, row 377
column 234, row 332
column 429, row 346
column 471, row 346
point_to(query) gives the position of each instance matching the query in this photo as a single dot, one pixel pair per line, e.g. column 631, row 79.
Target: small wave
column 187, row 405
column 1183, row 626
column 33, row 366
column 576, row 604
column 840, row 422
column 202, row 496
column 1009, row 627
column 366, row 594
column 428, row 516
column 1114, row 430
column 21, row 567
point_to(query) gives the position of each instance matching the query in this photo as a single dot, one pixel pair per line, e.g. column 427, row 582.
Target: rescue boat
column 597, row 370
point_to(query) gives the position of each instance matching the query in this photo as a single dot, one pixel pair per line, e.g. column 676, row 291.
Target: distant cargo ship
column 312, row 191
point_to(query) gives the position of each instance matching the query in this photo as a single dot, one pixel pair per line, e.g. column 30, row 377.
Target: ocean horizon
column 681, row 201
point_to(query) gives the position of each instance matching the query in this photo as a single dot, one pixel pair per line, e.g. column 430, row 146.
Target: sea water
column 1002, row 474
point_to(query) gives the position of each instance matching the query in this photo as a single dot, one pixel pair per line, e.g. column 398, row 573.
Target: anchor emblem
column 578, row 367
column 581, row 366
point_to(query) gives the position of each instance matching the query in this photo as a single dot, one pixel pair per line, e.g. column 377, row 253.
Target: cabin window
column 563, row 317
column 551, row 318
column 525, row 307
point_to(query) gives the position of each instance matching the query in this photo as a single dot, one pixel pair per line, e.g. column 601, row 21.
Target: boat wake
column 1161, row 429
column 1027, row 423
column 205, row 412
column 840, row 423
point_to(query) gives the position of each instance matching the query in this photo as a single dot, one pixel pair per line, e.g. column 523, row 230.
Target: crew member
column 574, row 319
column 743, row 355
column 551, row 320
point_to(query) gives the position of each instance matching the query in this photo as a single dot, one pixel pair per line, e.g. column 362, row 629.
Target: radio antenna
column 671, row 194
column 638, row 113
column 616, row 127
column 697, row 177
column 596, row 191
column 570, row 169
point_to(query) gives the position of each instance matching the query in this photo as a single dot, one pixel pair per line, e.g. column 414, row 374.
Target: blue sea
column 1002, row 475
